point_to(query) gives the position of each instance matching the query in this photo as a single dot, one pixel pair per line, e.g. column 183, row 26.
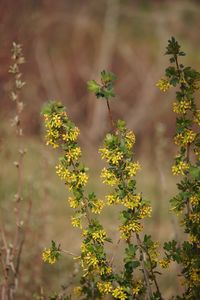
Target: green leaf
column 93, row 86
column 195, row 172
column 107, row 77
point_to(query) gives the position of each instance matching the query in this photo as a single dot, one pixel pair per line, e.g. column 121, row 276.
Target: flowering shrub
column 187, row 164
column 138, row 276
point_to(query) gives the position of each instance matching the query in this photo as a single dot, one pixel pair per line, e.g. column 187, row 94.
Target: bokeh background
column 65, row 44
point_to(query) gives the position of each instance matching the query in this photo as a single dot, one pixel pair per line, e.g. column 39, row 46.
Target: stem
column 69, row 253
column 145, row 271
column 110, row 116
column 153, row 276
column 188, row 160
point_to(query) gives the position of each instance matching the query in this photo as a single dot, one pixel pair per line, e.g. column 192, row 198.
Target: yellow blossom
column 153, row 252
column 104, row 287
column 194, row 239
column 97, row 206
column 76, row 222
column 56, row 121
column 110, row 156
column 73, row 202
column 132, row 201
column 137, row 287
column 195, row 276
column 72, row 135
column 184, row 138
column 195, row 217
column 90, row 260
column 109, row 177
column 194, row 200
column 119, row 293
column 197, row 117
column 132, row 226
column 48, row 257
column 116, row 157
column 82, row 178
column 99, row 236
column 62, row 172
column 145, row 211
column 163, row 85
column 129, row 139
column 181, row 107
column 73, row 154
column 180, row 168
column 112, row 199
column 78, row 290
column 164, row 263
column 105, row 270
column 132, row 168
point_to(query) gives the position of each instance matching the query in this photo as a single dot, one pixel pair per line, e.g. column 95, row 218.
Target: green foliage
column 105, row 89
column 138, row 277
column 187, row 163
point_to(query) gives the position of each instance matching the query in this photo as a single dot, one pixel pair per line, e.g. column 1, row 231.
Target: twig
column 146, row 275
column 110, row 116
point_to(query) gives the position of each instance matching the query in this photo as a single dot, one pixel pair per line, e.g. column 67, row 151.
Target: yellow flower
column 62, row 172
column 76, row 222
column 145, row 211
column 163, row 85
column 72, row 135
column 90, row 260
column 181, row 107
column 184, row 138
column 111, row 157
column 56, row 121
column 153, row 252
column 99, row 236
column 127, row 229
column 104, row 287
column 78, row 290
column 48, row 257
column 73, row 154
column 195, row 217
column 119, row 293
column 132, row 168
column 73, row 202
column 180, row 168
column 104, row 270
column 82, row 178
column 132, row 201
column 194, row 239
column 195, row 276
column 129, row 139
column 194, row 200
column 164, row 263
column 197, row 117
column 116, row 157
column 112, row 199
column 137, row 287
column 97, row 206
column 109, row 177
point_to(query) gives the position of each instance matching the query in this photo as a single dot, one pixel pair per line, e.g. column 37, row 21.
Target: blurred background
column 66, row 43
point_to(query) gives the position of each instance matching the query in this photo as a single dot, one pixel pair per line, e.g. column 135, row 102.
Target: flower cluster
column 62, row 133
column 163, row 85
column 120, row 174
column 52, row 254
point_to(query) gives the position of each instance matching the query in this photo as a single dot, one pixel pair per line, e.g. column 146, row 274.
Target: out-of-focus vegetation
column 66, row 43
